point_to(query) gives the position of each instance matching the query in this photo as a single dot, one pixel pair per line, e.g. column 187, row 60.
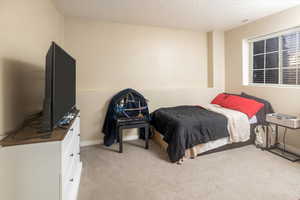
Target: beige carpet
column 241, row 174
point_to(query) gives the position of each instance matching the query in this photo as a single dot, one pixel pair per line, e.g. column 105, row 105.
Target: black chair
column 121, row 125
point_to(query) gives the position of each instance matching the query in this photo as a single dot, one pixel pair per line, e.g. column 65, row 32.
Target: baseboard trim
column 86, row 143
column 130, row 137
column 90, row 142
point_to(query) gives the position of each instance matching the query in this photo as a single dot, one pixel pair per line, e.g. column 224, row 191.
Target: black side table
column 137, row 124
column 275, row 149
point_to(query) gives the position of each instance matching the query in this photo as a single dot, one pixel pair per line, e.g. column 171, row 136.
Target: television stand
column 48, row 167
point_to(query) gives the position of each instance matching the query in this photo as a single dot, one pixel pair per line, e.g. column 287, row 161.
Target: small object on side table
column 128, row 124
column 275, row 149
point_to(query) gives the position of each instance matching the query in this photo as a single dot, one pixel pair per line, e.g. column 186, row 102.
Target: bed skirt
column 207, row 148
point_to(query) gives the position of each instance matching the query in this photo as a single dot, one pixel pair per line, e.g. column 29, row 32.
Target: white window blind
column 275, row 59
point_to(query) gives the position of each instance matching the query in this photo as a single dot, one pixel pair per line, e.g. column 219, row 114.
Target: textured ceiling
column 203, row 15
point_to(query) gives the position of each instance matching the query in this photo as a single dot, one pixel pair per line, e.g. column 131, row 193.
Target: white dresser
column 45, row 169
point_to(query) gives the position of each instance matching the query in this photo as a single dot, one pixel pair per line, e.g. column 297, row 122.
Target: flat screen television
column 60, row 87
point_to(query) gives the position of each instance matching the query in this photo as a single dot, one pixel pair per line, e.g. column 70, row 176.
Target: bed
column 190, row 131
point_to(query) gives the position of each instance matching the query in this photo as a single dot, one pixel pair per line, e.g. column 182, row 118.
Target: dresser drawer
column 70, row 161
column 74, row 130
column 77, row 147
column 68, row 172
column 70, row 189
column 68, row 154
column 70, row 179
column 67, row 142
column 67, row 160
column 70, row 148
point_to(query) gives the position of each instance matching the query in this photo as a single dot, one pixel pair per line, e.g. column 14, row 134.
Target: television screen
column 64, row 83
column 60, row 89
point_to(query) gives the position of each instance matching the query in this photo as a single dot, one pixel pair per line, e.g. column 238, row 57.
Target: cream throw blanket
column 238, row 123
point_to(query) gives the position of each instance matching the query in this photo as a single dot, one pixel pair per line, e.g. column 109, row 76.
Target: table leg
column 276, row 137
column 267, row 137
column 120, row 140
column 147, row 136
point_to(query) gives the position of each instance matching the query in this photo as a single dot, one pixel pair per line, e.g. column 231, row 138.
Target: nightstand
column 275, row 149
column 133, row 124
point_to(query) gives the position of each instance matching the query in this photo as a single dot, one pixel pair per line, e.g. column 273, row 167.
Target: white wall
column 285, row 100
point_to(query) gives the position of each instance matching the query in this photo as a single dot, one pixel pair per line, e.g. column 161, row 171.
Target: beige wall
column 219, row 59
column 216, row 59
column 210, row 60
column 27, row 28
column 93, row 105
column 285, row 100
column 169, row 66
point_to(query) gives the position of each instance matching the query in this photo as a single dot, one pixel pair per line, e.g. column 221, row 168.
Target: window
column 275, row 59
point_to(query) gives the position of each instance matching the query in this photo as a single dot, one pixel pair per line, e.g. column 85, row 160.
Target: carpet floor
column 245, row 173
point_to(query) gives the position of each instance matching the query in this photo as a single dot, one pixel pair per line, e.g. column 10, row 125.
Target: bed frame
column 227, row 146
column 235, row 145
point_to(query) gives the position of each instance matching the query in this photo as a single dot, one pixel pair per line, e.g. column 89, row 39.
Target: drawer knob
column 72, row 155
column 72, row 129
column 78, row 134
column 79, row 154
column 72, row 180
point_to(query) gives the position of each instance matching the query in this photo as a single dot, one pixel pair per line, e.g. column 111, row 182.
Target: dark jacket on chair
column 110, row 123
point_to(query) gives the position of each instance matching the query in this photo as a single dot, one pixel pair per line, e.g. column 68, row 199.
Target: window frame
column 248, row 47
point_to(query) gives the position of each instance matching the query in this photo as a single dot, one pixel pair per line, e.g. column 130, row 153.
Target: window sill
column 272, row 86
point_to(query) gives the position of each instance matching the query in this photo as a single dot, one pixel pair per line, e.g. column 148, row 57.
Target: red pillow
column 248, row 106
column 219, row 99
